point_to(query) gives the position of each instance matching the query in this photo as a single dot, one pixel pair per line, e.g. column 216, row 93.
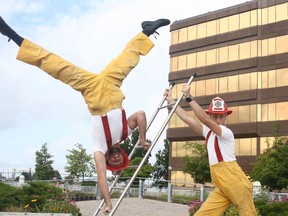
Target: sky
column 37, row 109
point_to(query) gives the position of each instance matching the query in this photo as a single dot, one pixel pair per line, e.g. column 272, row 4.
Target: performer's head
column 116, row 159
column 218, row 110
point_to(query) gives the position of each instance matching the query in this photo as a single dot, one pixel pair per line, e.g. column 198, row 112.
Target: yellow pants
column 101, row 91
column 232, row 186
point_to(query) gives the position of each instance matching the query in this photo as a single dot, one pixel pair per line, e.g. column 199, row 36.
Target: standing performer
column 231, row 184
column 102, row 95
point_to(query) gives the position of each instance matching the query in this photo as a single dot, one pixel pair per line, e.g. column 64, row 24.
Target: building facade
column 240, row 54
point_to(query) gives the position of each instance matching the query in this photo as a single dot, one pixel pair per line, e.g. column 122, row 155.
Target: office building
column 240, row 54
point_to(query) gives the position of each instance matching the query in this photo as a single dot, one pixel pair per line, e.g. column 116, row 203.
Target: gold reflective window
column 233, row 52
column 223, row 25
column 174, row 37
column 244, row 82
column 281, row 44
column 266, row 143
column 192, row 32
column 282, row 111
column 233, row 22
column 223, row 85
column 254, row 80
column 237, row 147
column 271, row 112
column 191, row 60
column 253, row 49
column 211, row 57
column 244, row 50
column 281, row 12
column 181, row 149
column 211, row 28
column 172, row 121
column 233, row 83
column 271, row 78
column 244, row 114
column 245, row 20
column 264, row 112
column 253, row 20
column 201, row 59
column 264, row 12
column 174, row 149
column 247, row 146
column 210, row 86
column 264, row 47
column 271, row 46
column 200, row 88
column 182, row 62
column 264, row 78
column 201, row 30
column 281, row 77
column 271, row 14
column 223, row 54
column 253, row 113
column 173, row 64
column 183, row 35
column 234, row 117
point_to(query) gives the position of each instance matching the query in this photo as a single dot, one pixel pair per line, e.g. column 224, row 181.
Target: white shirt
column 116, row 127
column 226, row 144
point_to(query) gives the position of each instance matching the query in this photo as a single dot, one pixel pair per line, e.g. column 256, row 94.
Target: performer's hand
column 168, row 95
column 186, row 90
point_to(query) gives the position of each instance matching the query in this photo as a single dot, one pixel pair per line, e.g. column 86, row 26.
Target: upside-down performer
column 102, row 95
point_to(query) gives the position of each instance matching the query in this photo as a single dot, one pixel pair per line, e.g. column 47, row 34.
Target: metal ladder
column 160, row 106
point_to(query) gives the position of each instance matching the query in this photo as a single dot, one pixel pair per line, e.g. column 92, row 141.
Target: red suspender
column 124, row 123
column 108, row 132
column 216, row 146
column 207, row 137
column 217, row 150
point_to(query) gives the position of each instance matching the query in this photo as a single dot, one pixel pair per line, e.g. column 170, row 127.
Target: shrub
column 40, row 197
column 9, row 196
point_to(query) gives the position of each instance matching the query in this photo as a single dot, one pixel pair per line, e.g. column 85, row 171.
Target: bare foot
column 145, row 145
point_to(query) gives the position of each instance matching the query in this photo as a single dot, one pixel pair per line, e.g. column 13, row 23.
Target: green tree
column 80, row 164
column 43, row 167
column 145, row 171
column 197, row 164
column 161, row 166
column 135, row 160
column 271, row 168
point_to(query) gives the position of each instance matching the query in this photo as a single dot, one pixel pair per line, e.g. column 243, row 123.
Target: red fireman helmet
column 218, row 106
column 124, row 163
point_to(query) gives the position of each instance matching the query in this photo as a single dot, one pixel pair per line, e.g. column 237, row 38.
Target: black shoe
column 2, row 26
column 9, row 32
column 150, row 27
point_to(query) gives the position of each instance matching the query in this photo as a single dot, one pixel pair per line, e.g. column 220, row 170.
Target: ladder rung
column 132, row 166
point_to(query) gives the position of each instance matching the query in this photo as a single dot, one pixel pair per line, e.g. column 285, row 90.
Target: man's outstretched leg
column 119, row 68
column 10, row 33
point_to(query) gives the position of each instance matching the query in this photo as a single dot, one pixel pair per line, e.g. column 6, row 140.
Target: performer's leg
column 138, row 119
column 215, row 204
column 236, row 186
column 54, row 65
column 120, row 67
column 241, row 194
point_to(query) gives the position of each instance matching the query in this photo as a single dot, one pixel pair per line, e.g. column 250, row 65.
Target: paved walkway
column 136, row 206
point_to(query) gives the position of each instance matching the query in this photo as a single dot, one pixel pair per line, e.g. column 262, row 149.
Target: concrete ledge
column 32, row 214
